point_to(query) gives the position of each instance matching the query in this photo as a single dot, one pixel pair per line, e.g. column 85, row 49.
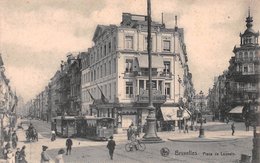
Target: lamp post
column 256, row 138
column 150, row 134
column 201, row 119
column 179, row 80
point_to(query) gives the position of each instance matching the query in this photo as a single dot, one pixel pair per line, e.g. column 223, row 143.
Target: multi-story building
column 245, row 67
column 116, row 78
column 74, row 73
column 240, row 84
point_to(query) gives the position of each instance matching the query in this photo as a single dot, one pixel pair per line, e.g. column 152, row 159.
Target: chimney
column 176, row 26
column 162, row 21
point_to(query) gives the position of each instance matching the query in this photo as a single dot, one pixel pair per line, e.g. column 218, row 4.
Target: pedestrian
column 22, row 155
column 45, row 158
column 59, row 157
column 53, row 135
column 111, row 147
column 10, row 156
column 247, row 125
column 186, row 128
column 233, row 128
column 69, row 144
column 17, row 154
column 14, row 139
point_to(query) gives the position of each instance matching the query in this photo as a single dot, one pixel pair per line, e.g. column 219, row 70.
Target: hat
column 111, row 137
column 44, row 147
column 61, row 151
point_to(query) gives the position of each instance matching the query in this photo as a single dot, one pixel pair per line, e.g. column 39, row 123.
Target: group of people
column 45, row 158
column 9, row 153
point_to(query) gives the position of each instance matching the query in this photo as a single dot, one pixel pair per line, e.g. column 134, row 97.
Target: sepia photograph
column 129, row 81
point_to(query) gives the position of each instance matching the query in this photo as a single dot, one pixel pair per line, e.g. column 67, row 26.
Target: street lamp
column 256, row 138
column 201, row 119
column 150, row 134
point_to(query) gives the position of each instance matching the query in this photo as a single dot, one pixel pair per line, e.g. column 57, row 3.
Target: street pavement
column 218, row 146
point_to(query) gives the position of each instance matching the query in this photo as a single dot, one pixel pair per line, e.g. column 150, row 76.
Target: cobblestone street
column 218, row 146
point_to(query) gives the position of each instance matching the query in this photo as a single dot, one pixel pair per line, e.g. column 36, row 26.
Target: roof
column 237, row 110
column 100, row 29
column 65, row 117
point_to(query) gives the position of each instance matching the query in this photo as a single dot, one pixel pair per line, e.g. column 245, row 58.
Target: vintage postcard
column 99, row 81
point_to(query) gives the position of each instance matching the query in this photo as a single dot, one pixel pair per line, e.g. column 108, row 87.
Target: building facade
column 239, row 85
column 116, row 79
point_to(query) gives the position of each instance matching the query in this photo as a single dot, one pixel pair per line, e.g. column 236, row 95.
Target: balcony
column 255, row 59
column 145, row 73
column 155, row 98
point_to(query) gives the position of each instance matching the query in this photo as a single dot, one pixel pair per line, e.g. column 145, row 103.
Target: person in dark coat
column 22, row 156
column 111, row 147
column 17, row 154
column 14, row 139
column 233, row 129
column 186, row 128
column 69, row 144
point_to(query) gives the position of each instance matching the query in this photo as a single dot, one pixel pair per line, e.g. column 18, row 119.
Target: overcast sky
column 36, row 35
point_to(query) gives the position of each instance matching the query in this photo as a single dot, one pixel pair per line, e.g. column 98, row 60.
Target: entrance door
column 127, row 120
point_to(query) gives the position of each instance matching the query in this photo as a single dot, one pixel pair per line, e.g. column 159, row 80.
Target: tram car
column 95, row 128
column 64, row 126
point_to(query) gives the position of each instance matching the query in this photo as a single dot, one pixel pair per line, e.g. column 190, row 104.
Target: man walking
column 186, row 128
column 233, row 128
column 111, row 147
column 45, row 158
column 14, row 139
column 69, row 146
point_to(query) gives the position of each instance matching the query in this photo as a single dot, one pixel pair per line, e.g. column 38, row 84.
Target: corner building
column 118, row 69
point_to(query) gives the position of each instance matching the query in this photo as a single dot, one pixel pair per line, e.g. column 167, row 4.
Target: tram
column 64, row 126
column 95, row 128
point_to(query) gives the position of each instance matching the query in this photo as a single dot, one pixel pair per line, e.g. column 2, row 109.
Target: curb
column 202, row 141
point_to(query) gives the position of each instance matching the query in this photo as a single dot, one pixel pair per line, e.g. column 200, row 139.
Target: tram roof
column 92, row 117
column 64, row 117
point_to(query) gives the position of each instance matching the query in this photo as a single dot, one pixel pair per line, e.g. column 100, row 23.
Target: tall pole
column 150, row 135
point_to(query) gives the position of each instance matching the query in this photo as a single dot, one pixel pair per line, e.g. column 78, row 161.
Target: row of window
column 247, row 68
column 249, row 40
column 129, row 66
column 144, row 85
column 246, row 85
column 129, row 44
column 101, row 71
column 103, row 50
column 247, row 54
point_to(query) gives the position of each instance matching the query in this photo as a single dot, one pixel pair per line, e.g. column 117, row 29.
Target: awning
column 169, row 113
column 237, row 110
column 157, row 61
column 186, row 113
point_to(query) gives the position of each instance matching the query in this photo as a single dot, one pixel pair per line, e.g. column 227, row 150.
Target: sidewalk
column 213, row 132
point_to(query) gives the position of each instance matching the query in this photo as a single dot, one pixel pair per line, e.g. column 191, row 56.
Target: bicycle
column 135, row 145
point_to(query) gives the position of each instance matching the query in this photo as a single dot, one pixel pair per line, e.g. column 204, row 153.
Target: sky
column 35, row 35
